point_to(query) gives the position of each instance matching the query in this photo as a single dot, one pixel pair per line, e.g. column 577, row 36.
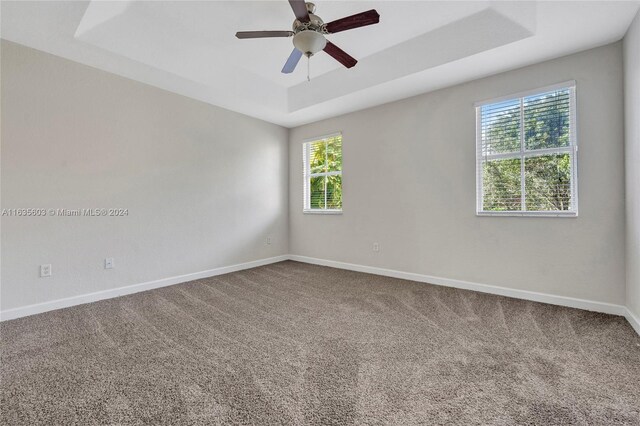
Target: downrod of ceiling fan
column 311, row 7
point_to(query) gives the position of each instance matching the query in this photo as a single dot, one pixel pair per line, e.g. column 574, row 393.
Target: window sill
column 322, row 211
column 530, row 214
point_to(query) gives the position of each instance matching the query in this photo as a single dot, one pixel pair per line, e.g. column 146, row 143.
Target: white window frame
column 572, row 150
column 308, row 175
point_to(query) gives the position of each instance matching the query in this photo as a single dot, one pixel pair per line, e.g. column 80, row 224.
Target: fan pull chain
column 308, row 68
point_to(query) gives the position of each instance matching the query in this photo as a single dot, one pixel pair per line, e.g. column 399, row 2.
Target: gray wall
column 204, row 186
column 632, row 162
column 409, row 184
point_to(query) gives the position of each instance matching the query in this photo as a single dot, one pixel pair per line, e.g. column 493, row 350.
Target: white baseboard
column 589, row 305
column 38, row 308
column 633, row 320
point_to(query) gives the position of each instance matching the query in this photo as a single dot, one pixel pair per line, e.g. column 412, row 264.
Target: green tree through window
column 323, row 174
column 526, row 154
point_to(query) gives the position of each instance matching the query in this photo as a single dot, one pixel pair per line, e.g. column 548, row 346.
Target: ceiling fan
column 309, row 33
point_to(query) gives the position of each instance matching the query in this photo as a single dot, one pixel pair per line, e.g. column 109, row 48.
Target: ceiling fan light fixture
column 309, row 30
column 309, row 42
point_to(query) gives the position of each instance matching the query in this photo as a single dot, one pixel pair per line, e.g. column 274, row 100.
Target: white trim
column 519, row 213
column 573, row 134
column 523, row 180
column 633, row 320
column 479, row 182
column 311, row 175
column 323, row 137
column 321, row 211
column 38, row 308
column 530, row 153
column 526, row 93
column 589, row 305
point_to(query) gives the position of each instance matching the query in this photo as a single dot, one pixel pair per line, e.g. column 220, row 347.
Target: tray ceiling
column 190, row 48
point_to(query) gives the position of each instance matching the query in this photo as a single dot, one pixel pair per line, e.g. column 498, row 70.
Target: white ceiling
column 189, row 47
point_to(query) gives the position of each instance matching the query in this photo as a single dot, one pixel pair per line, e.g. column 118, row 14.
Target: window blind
column 323, row 174
column 526, row 153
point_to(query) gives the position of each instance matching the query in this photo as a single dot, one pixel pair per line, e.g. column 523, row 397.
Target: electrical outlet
column 45, row 270
column 268, row 241
column 108, row 263
column 376, row 246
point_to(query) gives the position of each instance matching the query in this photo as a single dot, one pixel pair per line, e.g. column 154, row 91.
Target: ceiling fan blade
column 340, row 55
column 354, row 21
column 291, row 63
column 263, row 34
column 300, row 10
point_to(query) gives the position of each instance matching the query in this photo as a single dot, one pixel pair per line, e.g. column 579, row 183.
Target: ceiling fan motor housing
column 309, row 36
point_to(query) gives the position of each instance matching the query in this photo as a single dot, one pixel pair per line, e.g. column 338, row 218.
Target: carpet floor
column 299, row 344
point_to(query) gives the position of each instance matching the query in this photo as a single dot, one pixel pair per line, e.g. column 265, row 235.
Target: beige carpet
column 298, row 344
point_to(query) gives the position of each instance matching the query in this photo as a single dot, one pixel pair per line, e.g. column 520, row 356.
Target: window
column 526, row 154
column 323, row 175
